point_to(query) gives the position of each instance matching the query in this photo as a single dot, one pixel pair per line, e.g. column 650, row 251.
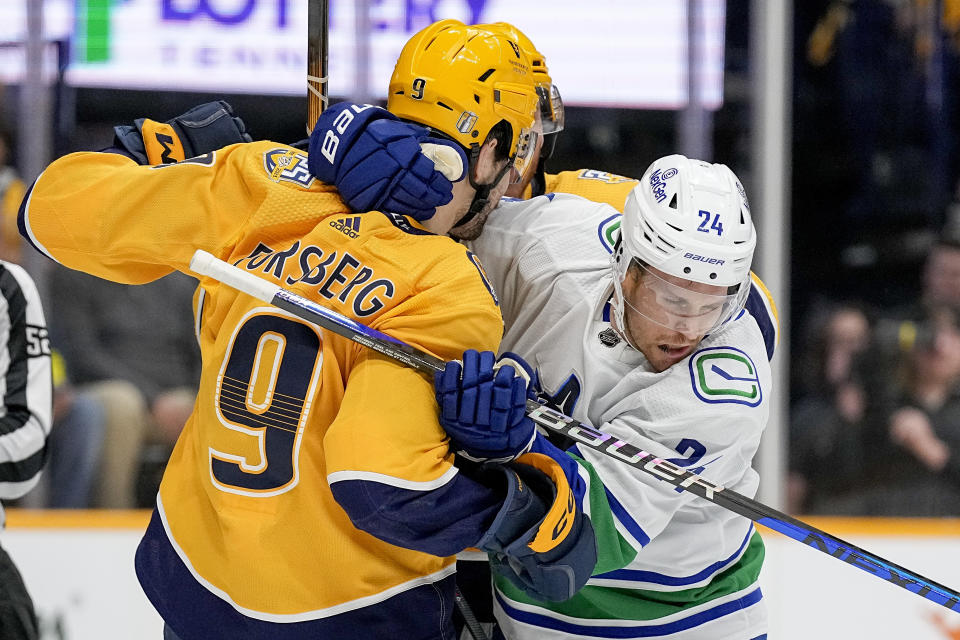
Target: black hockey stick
column 469, row 618
column 205, row 264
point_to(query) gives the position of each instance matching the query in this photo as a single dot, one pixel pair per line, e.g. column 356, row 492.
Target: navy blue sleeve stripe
column 22, row 221
column 756, row 307
column 187, row 606
column 442, row 521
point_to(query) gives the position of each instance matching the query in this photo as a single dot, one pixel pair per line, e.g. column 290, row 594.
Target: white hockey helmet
column 688, row 219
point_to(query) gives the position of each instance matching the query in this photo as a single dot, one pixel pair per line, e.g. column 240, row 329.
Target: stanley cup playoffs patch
column 725, row 374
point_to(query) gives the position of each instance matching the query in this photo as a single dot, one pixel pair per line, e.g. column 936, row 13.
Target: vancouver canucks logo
column 288, row 165
column 608, row 230
column 725, row 374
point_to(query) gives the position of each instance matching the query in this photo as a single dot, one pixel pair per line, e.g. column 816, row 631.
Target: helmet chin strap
column 482, row 195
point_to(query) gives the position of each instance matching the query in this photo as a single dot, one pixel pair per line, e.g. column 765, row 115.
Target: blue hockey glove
column 202, row 129
column 377, row 162
column 482, row 405
column 540, row 540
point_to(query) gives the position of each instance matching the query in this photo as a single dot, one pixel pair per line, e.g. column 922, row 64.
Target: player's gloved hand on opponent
column 204, row 128
column 482, row 404
column 377, row 162
column 540, row 539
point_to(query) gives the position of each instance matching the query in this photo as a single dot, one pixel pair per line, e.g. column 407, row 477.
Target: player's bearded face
column 471, row 230
column 665, row 316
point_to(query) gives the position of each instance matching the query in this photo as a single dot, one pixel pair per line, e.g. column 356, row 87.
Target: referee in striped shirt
column 26, row 387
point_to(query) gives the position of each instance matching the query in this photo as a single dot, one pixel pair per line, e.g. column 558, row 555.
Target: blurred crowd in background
column 874, row 328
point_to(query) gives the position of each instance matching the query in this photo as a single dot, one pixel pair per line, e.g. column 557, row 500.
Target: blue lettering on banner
column 187, row 10
column 417, row 14
column 421, row 13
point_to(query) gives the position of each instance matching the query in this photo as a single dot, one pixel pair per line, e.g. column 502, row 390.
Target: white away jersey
column 695, row 565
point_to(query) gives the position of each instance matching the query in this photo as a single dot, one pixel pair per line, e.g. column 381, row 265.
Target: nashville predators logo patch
column 725, row 375
column 288, row 165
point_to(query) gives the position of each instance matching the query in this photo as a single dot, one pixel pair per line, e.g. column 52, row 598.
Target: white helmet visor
column 691, row 309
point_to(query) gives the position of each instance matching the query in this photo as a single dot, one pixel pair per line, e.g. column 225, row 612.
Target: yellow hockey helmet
column 461, row 81
column 551, row 105
column 537, row 60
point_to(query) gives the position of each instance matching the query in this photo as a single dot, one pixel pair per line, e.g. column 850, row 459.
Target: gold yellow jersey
column 613, row 189
column 598, row 186
column 312, row 492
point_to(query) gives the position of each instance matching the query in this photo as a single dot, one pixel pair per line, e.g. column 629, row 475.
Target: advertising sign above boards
column 615, row 53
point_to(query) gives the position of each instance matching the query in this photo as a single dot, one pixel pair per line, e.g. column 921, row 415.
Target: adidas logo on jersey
column 349, row 227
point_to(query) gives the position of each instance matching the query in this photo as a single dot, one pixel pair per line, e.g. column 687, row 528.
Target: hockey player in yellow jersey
column 312, row 493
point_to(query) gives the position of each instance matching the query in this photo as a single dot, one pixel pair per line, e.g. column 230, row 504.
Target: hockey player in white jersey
column 639, row 331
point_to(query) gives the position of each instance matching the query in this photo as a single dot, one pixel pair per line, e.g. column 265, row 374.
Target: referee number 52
column 38, row 342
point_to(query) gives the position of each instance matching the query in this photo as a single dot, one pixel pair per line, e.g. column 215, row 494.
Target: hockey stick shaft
column 469, row 618
column 205, row 264
column 318, row 31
